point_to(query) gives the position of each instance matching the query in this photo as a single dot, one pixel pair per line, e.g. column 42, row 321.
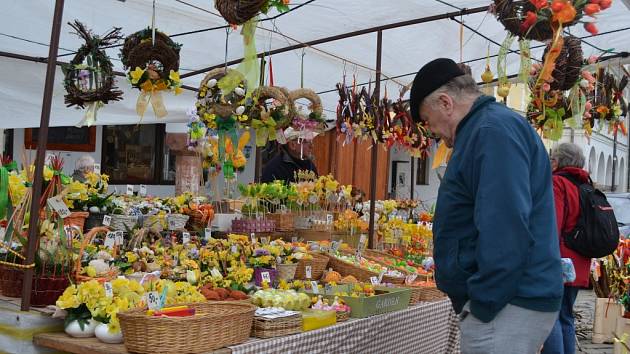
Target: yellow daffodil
column 48, row 173
column 174, row 76
column 136, row 75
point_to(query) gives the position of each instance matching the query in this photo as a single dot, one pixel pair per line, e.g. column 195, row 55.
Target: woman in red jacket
column 567, row 158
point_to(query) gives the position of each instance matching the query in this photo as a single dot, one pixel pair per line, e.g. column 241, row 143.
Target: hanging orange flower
column 540, row 4
column 566, row 12
column 603, row 111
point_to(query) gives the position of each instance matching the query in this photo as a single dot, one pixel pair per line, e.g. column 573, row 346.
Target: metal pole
column 41, row 153
column 374, row 160
column 614, row 165
column 413, row 180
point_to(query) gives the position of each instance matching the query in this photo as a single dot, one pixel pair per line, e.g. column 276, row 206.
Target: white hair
column 84, row 162
column 568, row 155
column 461, row 88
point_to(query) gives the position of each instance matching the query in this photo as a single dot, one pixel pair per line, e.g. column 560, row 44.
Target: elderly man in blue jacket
column 495, row 245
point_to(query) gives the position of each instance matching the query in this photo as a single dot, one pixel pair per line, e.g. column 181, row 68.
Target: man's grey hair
column 462, row 87
column 568, row 155
column 84, row 163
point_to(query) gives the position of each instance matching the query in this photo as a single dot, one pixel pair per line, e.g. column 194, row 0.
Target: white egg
column 211, row 83
column 240, row 110
column 239, row 91
column 584, row 83
column 94, row 209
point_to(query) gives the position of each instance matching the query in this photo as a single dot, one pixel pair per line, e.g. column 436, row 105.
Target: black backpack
column 596, row 233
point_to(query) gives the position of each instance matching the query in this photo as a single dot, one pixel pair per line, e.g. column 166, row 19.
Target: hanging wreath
column 355, row 114
column 152, row 67
column 269, row 113
column 311, row 123
column 89, row 77
column 609, row 103
column 217, row 108
column 540, row 19
column 568, row 64
column 237, row 12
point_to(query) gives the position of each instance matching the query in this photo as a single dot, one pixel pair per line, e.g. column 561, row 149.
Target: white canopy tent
column 25, row 30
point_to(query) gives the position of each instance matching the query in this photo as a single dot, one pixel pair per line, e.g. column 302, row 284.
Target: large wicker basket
column 277, row 327
column 284, row 222
column 177, row 221
column 286, row 271
column 318, row 265
column 154, row 222
column 345, row 269
column 425, row 294
column 215, row 325
column 123, row 222
column 237, row 12
column 87, row 239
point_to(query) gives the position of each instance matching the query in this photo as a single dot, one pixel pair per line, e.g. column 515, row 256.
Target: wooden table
column 65, row 343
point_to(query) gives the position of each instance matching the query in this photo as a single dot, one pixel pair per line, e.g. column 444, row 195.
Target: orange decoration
column 566, row 14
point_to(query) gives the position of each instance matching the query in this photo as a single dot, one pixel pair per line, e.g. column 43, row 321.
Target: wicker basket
column 76, row 218
column 154, row 222
column 176, row 221
column 197, row 220
column 318, row 266
column 87, row 239
column 215, row 325
column 277, row 327
column 425, row 294
column 345, row 269
column 284, row 222
column 123, row 222
column 237, row 12
column 286, row 271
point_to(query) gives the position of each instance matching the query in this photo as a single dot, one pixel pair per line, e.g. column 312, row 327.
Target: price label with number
column 119, row 238
column 129, row 189
column 374, row 280
column 362, row 240
column 215, row 273
column 107, row 220
column 294, row 239
column 234, row 249
column 153, row 300
column 410, row 278
column 57, row 204
column 308, row 270
column 208, row 233
column 327, row 289
column 358, row 254
column 334, row 246
column 109, row 290
column 97, row 168
column 253, row 237
column 264, row 240
column 314, row 287
column 143, row 190
column 265, row 277
column 185, row 237
column 172, row 224
column 329, row 219
column 110, row 239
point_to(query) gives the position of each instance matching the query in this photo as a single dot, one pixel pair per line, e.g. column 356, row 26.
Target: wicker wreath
column 568, row 65
column 315, row 116
column 280, row 112
column 211, row 100
column 239, row 11
column 99, row 70
column 512, row 13
column 139, row 51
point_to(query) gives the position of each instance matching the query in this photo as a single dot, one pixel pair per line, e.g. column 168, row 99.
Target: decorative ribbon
column 151, row 94
column 442, row 155
column 249, row 67
column 62, row 176
column 89, row 118
column 4, row 191
column 526, row 60
column 265, row 130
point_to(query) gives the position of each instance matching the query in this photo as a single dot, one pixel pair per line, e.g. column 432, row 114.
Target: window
column 136, row 154
column 422, row 172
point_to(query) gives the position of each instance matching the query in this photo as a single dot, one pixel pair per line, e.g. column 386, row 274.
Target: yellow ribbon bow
column 151, row 94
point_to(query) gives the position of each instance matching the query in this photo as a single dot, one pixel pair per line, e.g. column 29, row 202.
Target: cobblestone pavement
column 584, row 310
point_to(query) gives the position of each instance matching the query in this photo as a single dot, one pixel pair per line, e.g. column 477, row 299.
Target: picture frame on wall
column 64, row 138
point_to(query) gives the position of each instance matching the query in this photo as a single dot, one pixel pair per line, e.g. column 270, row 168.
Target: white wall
column 70, row 158
column 424, row 193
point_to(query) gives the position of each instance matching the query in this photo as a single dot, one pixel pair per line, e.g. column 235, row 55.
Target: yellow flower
column 48, row 173
column 136, row 75
column 131, row 257
column 90, row 271
column 174, row 76
column 178, row 90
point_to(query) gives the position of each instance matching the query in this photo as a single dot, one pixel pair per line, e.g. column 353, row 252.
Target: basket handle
column 87, row 239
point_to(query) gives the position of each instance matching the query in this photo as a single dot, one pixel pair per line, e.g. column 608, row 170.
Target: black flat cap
column 431, row 77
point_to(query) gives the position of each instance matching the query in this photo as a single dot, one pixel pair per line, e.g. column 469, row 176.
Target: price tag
column 119, row 238
column 107, row 220
column 308, row 270
column 185, row 237
column 57, row 204
column 362, row 240
column 234, row 249
column 410, row 278
column 253, row 237
column 215, row 273
column 265, row 277
column 329, row 219
column 358, row 254
column 294, row 239
column 172, row 224
column 374, row 280
column 143, row 190
column 2, row 232
column 110, row 239
column 314, row 287
column 153, row 300
column 97, row 168
column 334, row 246
column 327, row 289
column 109, row 291
column 208, row 233
column 264, row 240
column 129, row 189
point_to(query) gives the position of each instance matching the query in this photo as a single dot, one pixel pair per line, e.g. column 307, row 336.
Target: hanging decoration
column 237, row 12
column 541, row 19
column 89, row 77
column 269, row 114
column 503, row 89
column 609, row 104
column 308, row 124
column 151, row 59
